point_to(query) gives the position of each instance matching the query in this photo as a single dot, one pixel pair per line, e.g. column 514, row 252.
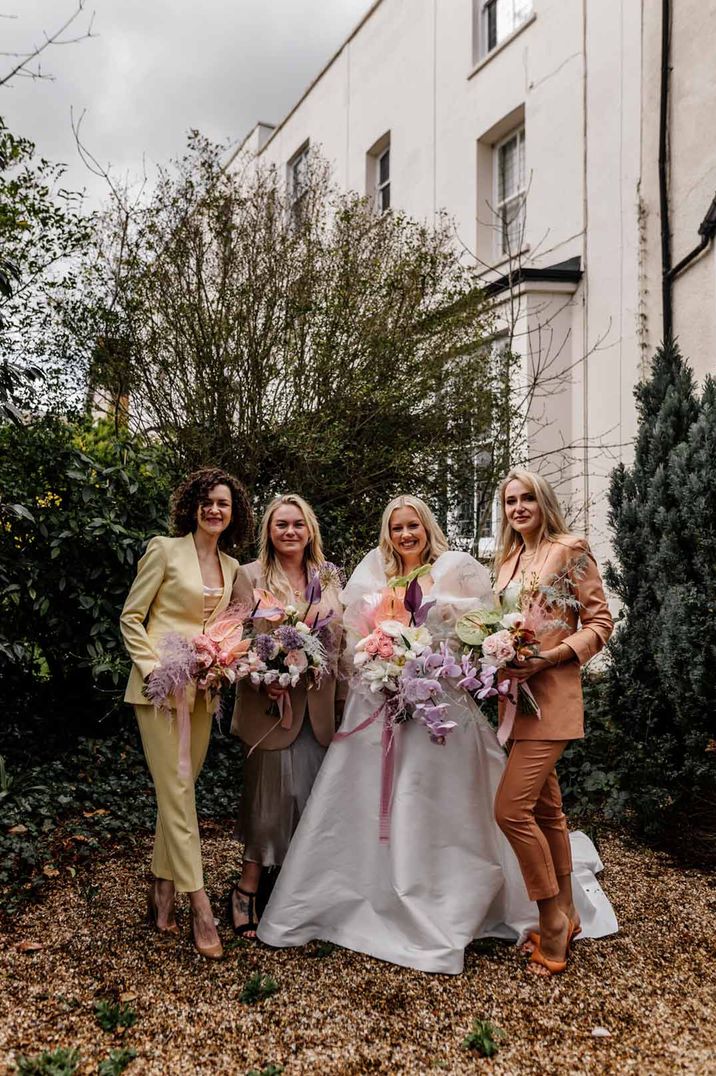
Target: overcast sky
column 158, row 68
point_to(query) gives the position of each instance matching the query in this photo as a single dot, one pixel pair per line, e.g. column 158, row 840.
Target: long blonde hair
column 437, row 542
column 313, row 557
column 553, row 524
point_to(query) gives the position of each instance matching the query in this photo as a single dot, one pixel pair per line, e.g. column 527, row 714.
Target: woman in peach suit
column 535, row 543
column 182, row 584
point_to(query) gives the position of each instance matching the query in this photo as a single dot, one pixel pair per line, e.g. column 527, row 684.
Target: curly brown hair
column 193, row 491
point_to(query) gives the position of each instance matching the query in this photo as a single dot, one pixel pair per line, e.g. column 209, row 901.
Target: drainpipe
column 666, row 274
column 707, row 231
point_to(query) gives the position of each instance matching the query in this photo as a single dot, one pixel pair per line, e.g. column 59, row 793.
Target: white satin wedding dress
column 447, row 875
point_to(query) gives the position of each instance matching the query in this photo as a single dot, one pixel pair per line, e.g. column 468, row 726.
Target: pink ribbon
column 507, row 724
column 387, row 764
column 184, row 726
column 285, row 710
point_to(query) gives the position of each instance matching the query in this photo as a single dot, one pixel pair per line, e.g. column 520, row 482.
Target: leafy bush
column 116, row 1062
column 59, row 1062
column 258, row 988
column 110, row 1015
column 68, row 550
column 484, row 1038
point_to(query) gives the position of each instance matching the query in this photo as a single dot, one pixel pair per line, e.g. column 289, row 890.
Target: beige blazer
column 558, row 690
column 250, row 721
column 166, row 596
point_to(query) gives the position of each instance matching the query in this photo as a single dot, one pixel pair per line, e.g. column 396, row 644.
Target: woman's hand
column 275, row 692
column 523, row 671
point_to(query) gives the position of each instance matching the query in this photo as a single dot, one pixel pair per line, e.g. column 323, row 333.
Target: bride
column 447, row 874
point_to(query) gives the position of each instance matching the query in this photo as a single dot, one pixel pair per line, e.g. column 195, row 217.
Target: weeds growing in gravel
column 484, row 1038
column 269, row 1070
column 59, row 1062
column 117, row 1061
column 258, row 988
column 110, row 1015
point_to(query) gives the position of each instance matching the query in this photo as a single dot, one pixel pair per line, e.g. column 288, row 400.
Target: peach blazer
column 166, row 596
column 558, row 690
column 250, row 721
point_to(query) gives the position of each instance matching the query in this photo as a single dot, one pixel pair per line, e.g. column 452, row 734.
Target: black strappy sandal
column 250, row 911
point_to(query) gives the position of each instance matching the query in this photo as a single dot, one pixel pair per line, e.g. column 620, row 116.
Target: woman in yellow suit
column 182, row 584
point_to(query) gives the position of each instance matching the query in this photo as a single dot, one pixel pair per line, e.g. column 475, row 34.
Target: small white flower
column 270, row 675
column 393, row 628
column 255, row 679
column 291, row 610
column 360, row 658
column 301, row 626
column 284, row 680
column 230, row 675
column 513, row 620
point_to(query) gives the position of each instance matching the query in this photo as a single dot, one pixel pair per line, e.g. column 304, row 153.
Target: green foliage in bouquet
column 661, row 679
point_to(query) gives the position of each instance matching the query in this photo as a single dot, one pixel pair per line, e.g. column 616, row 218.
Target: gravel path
column 652, row 987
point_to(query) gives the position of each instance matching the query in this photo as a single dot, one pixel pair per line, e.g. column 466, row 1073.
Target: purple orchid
column 413, row 602
column 313, row 590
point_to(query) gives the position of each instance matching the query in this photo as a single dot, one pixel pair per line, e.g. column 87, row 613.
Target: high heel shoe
column 211, row 952
column 153, row 915
column 252, row 924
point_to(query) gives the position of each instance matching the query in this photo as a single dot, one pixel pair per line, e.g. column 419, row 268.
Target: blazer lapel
column 192, row 573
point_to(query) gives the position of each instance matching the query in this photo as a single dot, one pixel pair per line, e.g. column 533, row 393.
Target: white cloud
column 161, row 67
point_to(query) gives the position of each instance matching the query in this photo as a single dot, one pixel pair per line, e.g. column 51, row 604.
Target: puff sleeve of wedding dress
column 447, row 875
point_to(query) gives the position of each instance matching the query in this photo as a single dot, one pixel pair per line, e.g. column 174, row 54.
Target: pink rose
column 298, row 659
column 206, row 651
column 385, row 645
column 371, row 644
column 499, row 648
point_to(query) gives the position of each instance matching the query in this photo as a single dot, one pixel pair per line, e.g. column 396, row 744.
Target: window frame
column 382, row 186
column 297, row 191
column 486, row 16
column 504, row 249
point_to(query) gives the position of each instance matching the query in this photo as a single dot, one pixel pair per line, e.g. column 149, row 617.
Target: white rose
column 270, row 676
column 513, row 620
column 393, row 628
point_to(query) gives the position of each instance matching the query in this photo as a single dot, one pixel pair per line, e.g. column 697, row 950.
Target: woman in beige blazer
column 181, row 585
column 284, row 756
column 535, row 544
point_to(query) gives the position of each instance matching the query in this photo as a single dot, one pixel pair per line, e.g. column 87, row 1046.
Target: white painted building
column 536, row 125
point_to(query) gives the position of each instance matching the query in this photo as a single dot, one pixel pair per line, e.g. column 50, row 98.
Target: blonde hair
column 553, row 524
column 437, row 542
column 313, row 557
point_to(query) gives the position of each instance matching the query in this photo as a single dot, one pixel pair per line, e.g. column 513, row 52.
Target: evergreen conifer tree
column 662, row 670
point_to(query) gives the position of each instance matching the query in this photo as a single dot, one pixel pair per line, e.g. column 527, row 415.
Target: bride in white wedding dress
column 447, row 874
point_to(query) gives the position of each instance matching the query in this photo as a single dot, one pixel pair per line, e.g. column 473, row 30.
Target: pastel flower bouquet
column 208, row 662
column 398, row 660
column 297, row 647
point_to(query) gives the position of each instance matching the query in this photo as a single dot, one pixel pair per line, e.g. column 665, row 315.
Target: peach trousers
column 528, row 810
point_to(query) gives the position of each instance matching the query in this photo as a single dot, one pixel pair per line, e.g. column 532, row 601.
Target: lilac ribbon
column 387, row 764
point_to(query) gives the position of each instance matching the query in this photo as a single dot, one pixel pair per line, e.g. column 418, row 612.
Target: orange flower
column 391, row 606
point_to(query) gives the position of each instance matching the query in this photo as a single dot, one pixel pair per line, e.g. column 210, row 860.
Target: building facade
column 562, row 137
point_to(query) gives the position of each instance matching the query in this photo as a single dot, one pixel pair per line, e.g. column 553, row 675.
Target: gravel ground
column 652, row 987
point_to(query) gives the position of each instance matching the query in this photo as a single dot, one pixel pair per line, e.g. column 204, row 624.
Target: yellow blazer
column 166, row 596
column 558, row 690
column 250, row 721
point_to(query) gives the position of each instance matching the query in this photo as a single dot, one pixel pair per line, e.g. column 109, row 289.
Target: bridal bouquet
column 399, row 660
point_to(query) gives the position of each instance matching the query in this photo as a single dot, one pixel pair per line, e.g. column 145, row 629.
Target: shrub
column 59, row 1062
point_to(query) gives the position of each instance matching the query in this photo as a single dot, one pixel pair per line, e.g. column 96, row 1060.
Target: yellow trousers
column 177, row 851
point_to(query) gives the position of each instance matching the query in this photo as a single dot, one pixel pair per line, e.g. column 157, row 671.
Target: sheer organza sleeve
column 360, row 592
column 461, row 584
